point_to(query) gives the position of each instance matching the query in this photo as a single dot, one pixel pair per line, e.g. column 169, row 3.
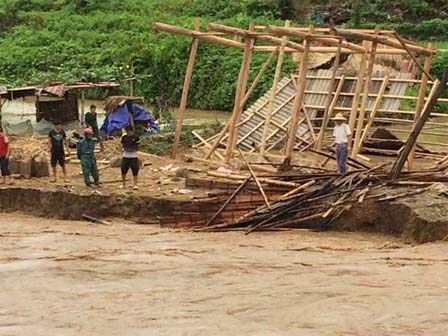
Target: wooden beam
column 163, row 27
column 252, row 173
column 436, row 92
column 277, row 75
column 259, row 76
column 375, row 108
column 358, row 89
column 281, row 31
column 381, row 40
column 185, row 91
column 414, row 59
column 329, row 99
column 239, row 94
column 365, row 100
column 256, row 36
column 421, row 97
column 298, row 100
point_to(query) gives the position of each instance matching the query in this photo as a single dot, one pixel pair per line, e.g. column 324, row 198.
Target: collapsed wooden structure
column 295, row 114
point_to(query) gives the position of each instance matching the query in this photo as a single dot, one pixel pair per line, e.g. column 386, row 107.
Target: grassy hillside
column 68, row 40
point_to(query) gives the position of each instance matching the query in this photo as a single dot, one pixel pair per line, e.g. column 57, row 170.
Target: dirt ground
column 76, row 278
column 160, row 176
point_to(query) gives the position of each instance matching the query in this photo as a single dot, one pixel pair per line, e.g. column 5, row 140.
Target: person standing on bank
column 5, row 151
column 57, row 139
column 130, row 143
column 341, row 135
column 86, row 155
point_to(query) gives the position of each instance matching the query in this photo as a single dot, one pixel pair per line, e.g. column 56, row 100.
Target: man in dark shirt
column 56, row 141
column 130, row 143
column 91, row 120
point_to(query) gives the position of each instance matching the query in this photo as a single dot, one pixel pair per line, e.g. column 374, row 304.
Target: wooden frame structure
column 367, row 92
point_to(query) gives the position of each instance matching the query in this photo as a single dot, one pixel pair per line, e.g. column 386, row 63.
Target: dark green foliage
column 69, row 40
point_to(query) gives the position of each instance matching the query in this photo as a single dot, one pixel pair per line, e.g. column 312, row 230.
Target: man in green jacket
column 85, row 151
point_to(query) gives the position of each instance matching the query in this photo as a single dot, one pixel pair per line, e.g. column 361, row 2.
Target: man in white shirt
column 341, row 135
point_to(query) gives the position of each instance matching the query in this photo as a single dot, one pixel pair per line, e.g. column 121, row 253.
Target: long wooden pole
column 375, row 108
column 414, row 59
column 252, row 173
column 83, row 106
column 365, row 100
column 259, row 76
column 326, row 116
column 357, row 95
column 298, row 102
column 240, row 92
column 421, row 96
column 434, row 95
column 277, row 75
column 185, row 91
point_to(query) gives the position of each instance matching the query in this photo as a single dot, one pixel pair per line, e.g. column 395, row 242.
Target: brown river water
column 22, row 109
column 76, row 278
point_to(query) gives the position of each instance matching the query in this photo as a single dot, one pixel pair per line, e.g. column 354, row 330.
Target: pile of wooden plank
column 320, row 198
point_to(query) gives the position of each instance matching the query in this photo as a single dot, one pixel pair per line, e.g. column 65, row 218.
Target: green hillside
column 68, row 40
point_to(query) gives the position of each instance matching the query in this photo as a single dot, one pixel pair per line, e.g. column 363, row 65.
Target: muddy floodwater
column 75, row 278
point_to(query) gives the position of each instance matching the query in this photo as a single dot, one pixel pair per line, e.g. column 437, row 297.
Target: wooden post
column 358, row 89
column 436, row 92
column 277, row 75
column 421, row 96
column 375, row 108
column 240, row 93
column 298, row 101
column 257, row 79
column 185, row 91
column 327, row 113
column 365, row 99
column 83, row 106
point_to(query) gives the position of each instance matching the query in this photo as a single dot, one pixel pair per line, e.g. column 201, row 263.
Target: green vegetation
column 161, row 144
column 69, row 40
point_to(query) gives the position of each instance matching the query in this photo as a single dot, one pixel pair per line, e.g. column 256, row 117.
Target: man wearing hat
column 341, row 135
column 85, row 151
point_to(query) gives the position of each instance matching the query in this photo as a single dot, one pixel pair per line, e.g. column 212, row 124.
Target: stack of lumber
column 320, row 198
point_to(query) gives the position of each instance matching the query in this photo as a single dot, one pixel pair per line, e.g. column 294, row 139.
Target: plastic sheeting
column 120, row 118
column 43, row 127
column 19, row 129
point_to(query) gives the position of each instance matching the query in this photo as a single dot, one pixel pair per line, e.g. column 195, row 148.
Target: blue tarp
column 119, row 118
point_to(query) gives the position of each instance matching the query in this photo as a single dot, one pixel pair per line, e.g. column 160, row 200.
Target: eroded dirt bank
column 420, row 218
column 75, row 278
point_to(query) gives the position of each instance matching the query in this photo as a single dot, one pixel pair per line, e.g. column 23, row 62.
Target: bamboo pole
column 298, row 101
column 281, row 31
column 157, row 26
column 185, row 91
column 206, row 144
column 357, row 95
column 374, row 111
column 277, row 75
column 252, row 173
column 421, row 97
column 382, row 40
column 435, row 93
column 327, row 114
column 240, row 92
column 259, row 76
column 414, row 59
column 365, row 100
